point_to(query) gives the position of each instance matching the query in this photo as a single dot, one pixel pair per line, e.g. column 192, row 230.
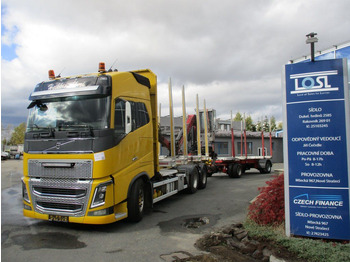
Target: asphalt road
column 160, row 236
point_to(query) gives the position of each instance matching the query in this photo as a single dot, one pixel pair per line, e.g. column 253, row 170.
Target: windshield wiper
column 41, row 127
column 50, row 133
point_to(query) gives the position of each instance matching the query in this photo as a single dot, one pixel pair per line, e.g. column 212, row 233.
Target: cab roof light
column 51, row 74
column 101, row 67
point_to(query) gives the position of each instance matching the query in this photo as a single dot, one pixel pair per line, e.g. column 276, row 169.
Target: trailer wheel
column 136, row 203
column 203, row 177
column 193, row 181
column 235, row 170
column 230, row 170
column 267, row 168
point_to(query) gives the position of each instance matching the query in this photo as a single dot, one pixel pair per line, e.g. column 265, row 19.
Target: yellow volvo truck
column 91, row 149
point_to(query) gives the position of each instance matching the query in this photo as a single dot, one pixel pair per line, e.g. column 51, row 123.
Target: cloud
column 229, row 52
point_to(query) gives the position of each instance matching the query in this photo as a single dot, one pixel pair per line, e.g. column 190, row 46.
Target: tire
column 230, row 170
column 193, row 181
column 235, row 170
column 267, row 168
column 137, row 201
column 203, row 177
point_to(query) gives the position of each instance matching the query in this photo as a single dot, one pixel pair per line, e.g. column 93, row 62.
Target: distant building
column 336, row 51
column 226, row 125
column 220, row 139
column 223, row 144
column 165, row 125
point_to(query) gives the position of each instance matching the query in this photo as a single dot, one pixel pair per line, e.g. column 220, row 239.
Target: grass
column 305, row 248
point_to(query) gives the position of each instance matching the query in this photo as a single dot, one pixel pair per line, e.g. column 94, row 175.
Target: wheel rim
column 268, row 167
column 239, row 171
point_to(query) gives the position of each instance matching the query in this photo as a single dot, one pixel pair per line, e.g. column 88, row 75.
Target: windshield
column 70, row 114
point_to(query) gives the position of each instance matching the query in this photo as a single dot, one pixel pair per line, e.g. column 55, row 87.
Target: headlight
column 25, row 192
column 100, row 194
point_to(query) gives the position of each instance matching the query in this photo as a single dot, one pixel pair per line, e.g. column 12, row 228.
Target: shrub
column 268, row 208
column 305, row 249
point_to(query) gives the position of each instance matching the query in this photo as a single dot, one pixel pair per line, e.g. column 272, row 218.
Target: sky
column 230, row 52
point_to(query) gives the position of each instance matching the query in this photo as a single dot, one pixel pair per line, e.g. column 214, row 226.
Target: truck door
column 133, row 152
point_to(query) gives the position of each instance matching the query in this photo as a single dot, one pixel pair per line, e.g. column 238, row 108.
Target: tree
column 266, row 124
column 4, row 142
column 273, row 123
column 249, row 124
column 18, row 135
column 280, row 126
column 238, row 117
column 258, row 126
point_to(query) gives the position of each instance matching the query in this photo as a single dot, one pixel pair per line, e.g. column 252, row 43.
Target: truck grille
column 59, row 168
column 62, row 192
column 60, row 196
column 59, row 207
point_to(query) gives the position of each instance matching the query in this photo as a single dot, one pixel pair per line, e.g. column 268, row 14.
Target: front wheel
column 136, row 203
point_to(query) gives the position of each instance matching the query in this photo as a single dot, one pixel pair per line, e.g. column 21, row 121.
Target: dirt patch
column 189, row 224
column 232, row 243
column 196, row 222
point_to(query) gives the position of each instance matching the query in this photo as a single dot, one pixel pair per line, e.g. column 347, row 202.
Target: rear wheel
column 203, row 176
column 136, row 203
column 235, row 170
column 193, row 181
column 267, row 168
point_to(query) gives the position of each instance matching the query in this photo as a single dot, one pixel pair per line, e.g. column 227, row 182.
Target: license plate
column 56, row 218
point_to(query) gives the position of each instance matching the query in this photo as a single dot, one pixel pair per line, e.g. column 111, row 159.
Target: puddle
column 195, row 224
column 53, row 240
column 12, row 192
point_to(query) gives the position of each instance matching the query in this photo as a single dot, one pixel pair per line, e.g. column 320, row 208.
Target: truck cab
column 91, row 144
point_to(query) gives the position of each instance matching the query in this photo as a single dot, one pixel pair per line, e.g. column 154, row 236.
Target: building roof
column 251, row 134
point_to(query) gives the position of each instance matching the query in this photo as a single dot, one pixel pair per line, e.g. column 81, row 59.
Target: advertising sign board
column 317, row 149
